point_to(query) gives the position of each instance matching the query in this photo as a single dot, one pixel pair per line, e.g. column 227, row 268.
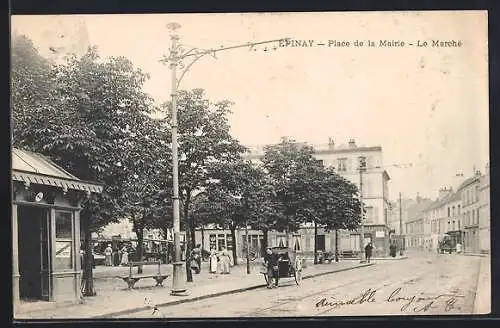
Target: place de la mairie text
column 382, row 43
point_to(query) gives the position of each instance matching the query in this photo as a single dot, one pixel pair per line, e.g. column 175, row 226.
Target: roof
column 34, row 168
column 468, row 182
column 348, row 150
column 452, row 197
column 417, row 208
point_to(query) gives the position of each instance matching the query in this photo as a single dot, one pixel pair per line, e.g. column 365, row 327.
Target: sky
column 427, row 106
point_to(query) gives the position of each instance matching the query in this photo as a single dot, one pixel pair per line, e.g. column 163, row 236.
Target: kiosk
column 46, row 229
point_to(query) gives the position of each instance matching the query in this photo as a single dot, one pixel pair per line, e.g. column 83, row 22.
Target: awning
column 33, row 168
column 31, row 178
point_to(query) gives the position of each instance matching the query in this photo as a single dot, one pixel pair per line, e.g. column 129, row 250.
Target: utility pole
column 401, row 226
column 177, row 54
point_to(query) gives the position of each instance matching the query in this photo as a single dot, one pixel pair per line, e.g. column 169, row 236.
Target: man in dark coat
column 271, row 260
column 368, row 251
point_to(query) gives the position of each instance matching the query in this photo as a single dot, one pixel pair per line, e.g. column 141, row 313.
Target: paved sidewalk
column 114, row 299
column 482, row 301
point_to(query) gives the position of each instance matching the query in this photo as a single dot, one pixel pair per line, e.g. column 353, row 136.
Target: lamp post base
column 178, row 287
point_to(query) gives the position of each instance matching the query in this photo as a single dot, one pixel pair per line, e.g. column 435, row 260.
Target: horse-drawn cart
column 289, row 264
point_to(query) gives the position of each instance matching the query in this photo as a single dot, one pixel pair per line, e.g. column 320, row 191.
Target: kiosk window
column 64, row 240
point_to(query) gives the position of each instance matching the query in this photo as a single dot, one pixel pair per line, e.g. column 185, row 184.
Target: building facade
column 345, row 159
column 46, row 229
column 484, row 213
column 469, row 192
column 443, row 217
column 415, row 231
column 301, row 241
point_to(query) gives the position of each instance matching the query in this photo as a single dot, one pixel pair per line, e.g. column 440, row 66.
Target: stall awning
column 33, row 168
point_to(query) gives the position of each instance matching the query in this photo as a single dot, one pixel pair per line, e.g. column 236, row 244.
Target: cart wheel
column 298, row 276
column 265, row 278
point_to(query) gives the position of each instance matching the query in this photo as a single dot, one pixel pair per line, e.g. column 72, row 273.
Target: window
column 362, row 162
column 64, row 240
column 213, row 242
column 369, row 214
column 296, row 243
column 342, row 164
column 453, row 226
column 448, row 212
column 221, row 242
column 477, row 216
column 320, row 162
column 458, row 209
column 453, row 211
column 477, row 193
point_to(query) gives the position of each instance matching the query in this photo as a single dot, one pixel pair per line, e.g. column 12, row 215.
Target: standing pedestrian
column 213, row 261
column 124, row 260
column 271, row 261
column 225, row 261
column 108, row 255
column 392, row 249
column 196, row 259
column 368, row 251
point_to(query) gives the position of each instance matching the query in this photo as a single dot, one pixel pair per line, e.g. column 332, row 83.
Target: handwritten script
column 410, row 302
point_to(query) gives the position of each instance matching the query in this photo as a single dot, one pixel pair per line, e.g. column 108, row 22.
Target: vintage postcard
column 250, row 165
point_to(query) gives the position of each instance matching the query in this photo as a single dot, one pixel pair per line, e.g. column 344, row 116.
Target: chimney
column 331, row 143
column 418, row 197
column 352, row 143
column 443, row 192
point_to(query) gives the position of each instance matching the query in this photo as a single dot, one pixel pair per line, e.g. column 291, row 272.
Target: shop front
column 46, row 229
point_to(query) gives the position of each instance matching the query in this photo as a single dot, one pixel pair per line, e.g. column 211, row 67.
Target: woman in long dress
column 213, row 261
column 225, row 260
column 124, row 260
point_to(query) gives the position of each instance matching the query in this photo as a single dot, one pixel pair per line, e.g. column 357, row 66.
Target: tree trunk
column 193, row 234
column 188, row 243
column 202, row 240
column 315, row 242
column 265, row 242
column 139, row 230
column 233, row 236
column 88, row 279
column 336, row 245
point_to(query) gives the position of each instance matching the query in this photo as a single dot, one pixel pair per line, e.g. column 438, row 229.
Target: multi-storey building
column 469, row 191
column 442, row 217
column 417, row 216
column 345, row 160
column 484, row 213
column 398, row 217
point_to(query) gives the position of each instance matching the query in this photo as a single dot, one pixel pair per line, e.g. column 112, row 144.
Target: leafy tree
column 284, row 162
column 326, row 199
column 204, row 137
column 147, row 162
column 235, row 197
column 91, row 107
column 32, row 81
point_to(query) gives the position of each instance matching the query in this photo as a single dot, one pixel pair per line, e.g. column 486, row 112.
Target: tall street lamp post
column 178, row 287
column 177, row 54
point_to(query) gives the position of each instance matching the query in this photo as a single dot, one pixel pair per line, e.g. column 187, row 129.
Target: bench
column 132, row 278
column 349, row 254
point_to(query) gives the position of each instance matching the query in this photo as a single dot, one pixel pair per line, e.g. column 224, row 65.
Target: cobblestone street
column 425, row 284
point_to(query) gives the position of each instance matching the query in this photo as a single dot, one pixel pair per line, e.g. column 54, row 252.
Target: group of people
column 221, row 261
column 108, row 255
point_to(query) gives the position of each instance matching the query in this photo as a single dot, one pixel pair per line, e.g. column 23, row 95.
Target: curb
column 228, row 292
column 389, row 258
column 475, row 254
